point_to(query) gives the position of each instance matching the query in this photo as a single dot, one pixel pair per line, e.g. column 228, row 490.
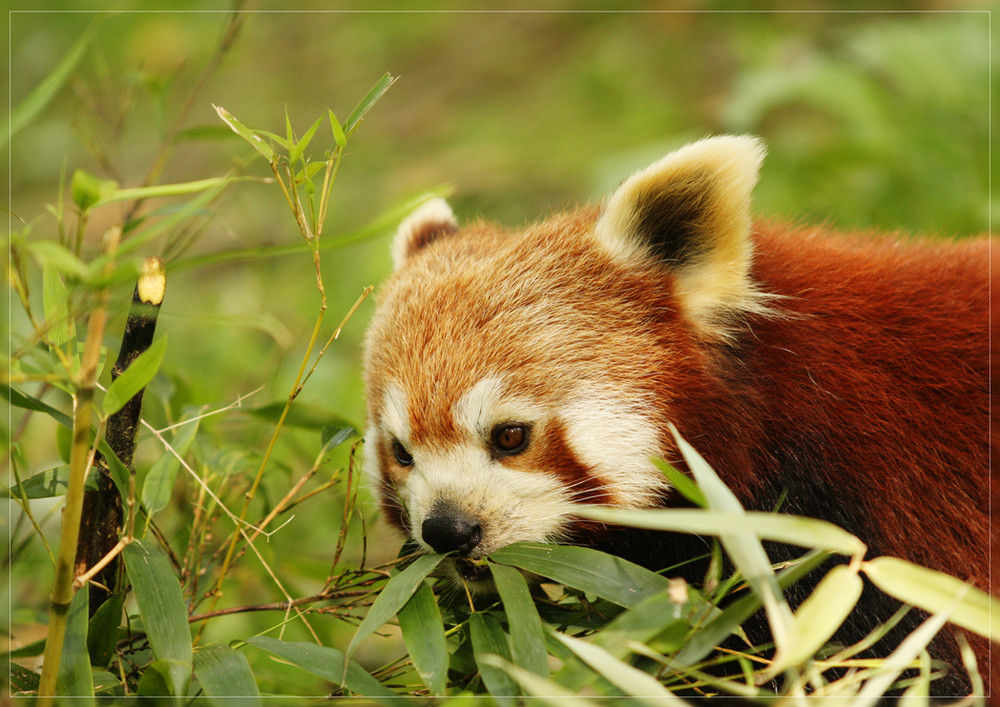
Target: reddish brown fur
column 863, row 393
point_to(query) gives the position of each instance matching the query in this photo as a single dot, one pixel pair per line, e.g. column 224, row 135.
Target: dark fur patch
column 428, row 232
column 672, row 220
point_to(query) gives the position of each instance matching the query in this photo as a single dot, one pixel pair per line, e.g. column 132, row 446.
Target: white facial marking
column 617, row 440
column 485, row 405
column 395, row 414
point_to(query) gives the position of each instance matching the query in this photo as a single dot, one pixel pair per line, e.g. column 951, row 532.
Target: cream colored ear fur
column 691, row 210
column 432, row 219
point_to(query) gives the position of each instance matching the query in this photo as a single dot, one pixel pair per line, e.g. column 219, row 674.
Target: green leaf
column 794, row 530
column 394, row 595
column 489, row 639
column 225, row 673
column 526, row 636
column 47, row 484
column 682, row 483
column 19, row 399
column 327, row 663
column 55, row 302
column 936, row 592
column 717, row 628
column 87, row 189
column 377, row 91
column 819, row 617
column 102, row 635
column 338, row 130
column 630, row 680
column 299, row 415
column 159, row 483
column 246, row 133
column 134, row 378
column 164, row 190
column 164, row 613
column 58, row 257
column 743, row 546
column 75, row 678
column 542, row 689
column 298, row 148
column 423, row 633
column 29, row 108
column 586, row 569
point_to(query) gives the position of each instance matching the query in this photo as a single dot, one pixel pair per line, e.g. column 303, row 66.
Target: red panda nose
column 449, row 530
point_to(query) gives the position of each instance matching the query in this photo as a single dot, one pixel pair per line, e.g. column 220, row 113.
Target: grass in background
column 872, row 121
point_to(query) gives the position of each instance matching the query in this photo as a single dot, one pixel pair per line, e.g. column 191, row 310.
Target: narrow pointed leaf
column 225, row 674
column 75, row 678
column 630, row 680
column 934, row 592
column 819, row 616
column 377, row 91
column 298, row 148
column 394, row 595
column 246, row 133
column 55, row 302
column 18, row 399
column 134, row 378
column 526, row 635
column 57, row 257
column 87, row 190
column 159, row 483
column 102, row 635
column 423, row 633
column 488, row 639
column 588, row 570
column 47, row 484
column 327, row 663
column 542, row 689
column 164, row 614
column 29, row 108
column 338, row 130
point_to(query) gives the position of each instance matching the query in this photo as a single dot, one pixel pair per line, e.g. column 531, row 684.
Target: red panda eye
column 510, row 438
column 402, row 456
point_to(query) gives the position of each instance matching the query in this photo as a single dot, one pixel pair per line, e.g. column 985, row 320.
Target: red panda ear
column 691, row 212
column 428, row 223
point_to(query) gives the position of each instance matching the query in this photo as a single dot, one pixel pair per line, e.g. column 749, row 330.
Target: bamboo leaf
column 794, row 530
column 630, row 680
column 19, row 399
column 246, row 133
column 423, row 633
column 298, row 148
column 102, row 634
column 134, row 378
column 299, row 415
column 164, row 613
column 57, row 257
column 935, row 592
column 165, row 190
column 376, row 92
column 394, row 595
column 55, row 303
column 338, row 130
column 28, row 109
column 526, row 636
column 819, row 616
column 224, row 674
column 542, row 689
column 488, row 639
column 588, row 570
column 159, row 483
column 75, row 678
column 47, row 484
column 327, row 663
column 87, row 190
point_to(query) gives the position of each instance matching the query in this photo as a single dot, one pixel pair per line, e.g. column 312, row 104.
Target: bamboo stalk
column 79, row 462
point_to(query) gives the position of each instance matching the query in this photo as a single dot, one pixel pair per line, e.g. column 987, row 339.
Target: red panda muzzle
column 447, row 530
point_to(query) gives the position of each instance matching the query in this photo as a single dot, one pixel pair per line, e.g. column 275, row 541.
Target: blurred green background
column 873, row 120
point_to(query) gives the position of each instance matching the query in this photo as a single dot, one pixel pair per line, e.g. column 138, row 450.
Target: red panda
column 510, row 374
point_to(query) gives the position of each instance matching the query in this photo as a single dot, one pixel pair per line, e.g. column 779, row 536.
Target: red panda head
column 511, row 374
